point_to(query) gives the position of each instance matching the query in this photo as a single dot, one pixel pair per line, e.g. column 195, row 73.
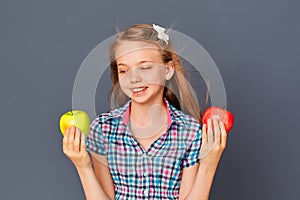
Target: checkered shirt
column 154, row 173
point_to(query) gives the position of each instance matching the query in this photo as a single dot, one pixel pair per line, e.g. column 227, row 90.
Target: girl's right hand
column 74, row 148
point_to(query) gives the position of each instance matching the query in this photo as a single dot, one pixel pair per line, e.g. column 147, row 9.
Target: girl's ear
column 169, row 70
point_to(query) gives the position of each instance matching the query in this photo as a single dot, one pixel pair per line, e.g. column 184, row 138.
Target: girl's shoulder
column 102, row 117
column 188, row 128
column 186, row 120
column 108, row 116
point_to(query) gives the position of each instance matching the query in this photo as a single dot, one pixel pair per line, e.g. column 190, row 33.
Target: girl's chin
column 139, row 98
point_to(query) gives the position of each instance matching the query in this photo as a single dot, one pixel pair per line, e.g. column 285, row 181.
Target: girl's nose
column 135, row 76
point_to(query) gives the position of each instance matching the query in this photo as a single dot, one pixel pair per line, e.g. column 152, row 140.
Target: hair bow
column 161, row 33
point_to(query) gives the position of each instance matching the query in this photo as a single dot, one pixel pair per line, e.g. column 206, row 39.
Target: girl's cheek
column 154, row 78
column 123, row 80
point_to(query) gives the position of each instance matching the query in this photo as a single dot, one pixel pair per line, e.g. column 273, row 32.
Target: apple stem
column 72, row 112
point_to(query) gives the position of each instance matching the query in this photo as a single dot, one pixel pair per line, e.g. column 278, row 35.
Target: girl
column 148, row 147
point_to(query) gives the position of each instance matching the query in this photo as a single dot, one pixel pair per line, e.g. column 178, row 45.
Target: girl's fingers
column 71, row 139
column 65, row 140
column 210, row 135
column 224, row 135
column 77, row 140
column 82, row 144
column 204, row 133
column 216, row 131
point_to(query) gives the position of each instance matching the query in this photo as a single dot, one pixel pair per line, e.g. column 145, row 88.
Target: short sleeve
column 95, row 140
column 192, row 154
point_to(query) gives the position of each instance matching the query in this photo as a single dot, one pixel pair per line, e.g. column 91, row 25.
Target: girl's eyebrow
column 141, row 62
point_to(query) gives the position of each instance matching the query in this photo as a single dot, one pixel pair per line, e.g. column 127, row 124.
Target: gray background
column 254, row 43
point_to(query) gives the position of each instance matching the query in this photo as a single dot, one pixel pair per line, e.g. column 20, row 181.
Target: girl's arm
column 103, row 174
column 202, row 185
column 90, row 184
column 75, row 149
column 215, row 143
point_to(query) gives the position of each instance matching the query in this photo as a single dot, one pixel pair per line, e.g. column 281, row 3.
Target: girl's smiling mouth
column 138, row 91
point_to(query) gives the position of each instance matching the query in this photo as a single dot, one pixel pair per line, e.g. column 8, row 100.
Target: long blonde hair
column 176, row 90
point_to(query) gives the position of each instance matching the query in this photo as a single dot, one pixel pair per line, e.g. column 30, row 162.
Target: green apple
column 77, row 118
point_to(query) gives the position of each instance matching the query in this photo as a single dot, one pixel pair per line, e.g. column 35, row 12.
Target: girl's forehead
column 136, row 51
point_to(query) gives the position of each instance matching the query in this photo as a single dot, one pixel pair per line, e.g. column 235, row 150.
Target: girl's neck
column 143, row 113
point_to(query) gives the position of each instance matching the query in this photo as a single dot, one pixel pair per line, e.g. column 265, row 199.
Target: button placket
column 146, row 192
column 145, row 160
column 146, row 173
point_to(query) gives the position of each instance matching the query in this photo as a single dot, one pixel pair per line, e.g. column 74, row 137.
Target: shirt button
column 146, row 173
column 146, row 192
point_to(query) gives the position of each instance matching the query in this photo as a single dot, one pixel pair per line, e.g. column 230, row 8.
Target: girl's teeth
column 137, row 89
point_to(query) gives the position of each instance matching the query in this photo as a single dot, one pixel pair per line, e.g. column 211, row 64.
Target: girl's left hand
column 214, row 138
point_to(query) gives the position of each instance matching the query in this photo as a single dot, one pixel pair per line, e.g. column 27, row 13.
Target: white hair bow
column 161, row 33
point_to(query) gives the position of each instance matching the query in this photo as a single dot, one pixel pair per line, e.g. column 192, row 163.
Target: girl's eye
column 122, row 71
column 145, row 67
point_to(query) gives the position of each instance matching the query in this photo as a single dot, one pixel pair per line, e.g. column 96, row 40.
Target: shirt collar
column 173, row 113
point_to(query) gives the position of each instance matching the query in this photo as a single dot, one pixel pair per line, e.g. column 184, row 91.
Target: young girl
column 148, row 147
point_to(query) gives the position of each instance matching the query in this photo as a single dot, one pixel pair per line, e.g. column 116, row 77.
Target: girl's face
column 141, row 71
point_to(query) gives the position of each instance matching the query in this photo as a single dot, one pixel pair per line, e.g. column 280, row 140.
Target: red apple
column 220, row 114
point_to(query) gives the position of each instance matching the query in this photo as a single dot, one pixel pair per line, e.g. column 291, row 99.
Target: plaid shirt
column 140, row 174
